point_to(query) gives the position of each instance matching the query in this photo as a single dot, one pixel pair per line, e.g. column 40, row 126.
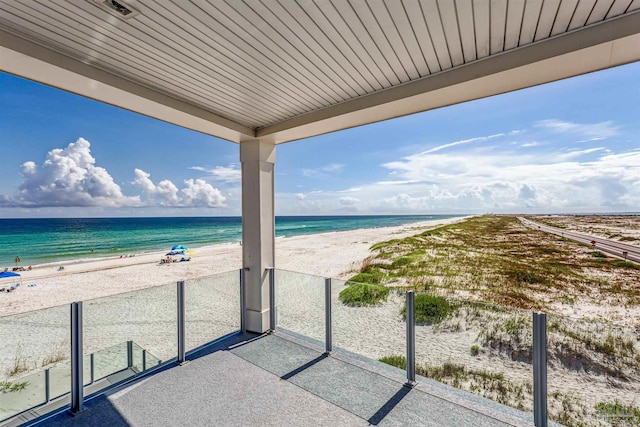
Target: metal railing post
column 272, row 298
column 243, row 303
column 92, row 368
column 77, row 392
column 411, row 337
column 144, row 360
column 129, row 354
column 181, row 325
column 47, row 386
column 328, row 336
column 540, row 369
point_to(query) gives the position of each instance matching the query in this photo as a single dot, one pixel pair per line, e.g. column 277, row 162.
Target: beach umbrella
column 9, row 275
column 178, row 248
column 5, row 274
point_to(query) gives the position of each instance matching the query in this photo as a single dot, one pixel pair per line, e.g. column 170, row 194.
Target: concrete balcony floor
column 280, row 380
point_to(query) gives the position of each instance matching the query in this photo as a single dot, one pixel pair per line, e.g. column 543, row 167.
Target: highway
column 608, row 246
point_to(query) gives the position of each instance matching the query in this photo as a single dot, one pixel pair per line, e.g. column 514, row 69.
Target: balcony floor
column 275, row 380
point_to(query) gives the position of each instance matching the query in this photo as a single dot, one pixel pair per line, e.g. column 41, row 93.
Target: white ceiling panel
column 415, row 14
column 563, row 17
column 618, row 8
column 581, row 14
column 515, row 12
column 467, row 28
column 260, row 64
column 481, row 16
column 530, row 19
column 449, row 19
column 547, row 17
column 434, row 24
column 405, row 38
column 600, row 11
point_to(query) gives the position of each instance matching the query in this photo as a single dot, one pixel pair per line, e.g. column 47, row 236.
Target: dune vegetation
column 484, row 276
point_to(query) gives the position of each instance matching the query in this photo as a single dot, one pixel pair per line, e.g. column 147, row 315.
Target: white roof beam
column 35, row 62
column 597, row 47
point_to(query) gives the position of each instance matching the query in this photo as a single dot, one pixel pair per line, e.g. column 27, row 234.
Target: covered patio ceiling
column 281, row 70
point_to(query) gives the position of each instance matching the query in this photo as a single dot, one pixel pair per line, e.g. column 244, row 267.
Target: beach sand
column 328, row 254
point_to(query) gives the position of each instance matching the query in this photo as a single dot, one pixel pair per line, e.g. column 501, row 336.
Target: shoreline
column 313, row 254
column 154, row 245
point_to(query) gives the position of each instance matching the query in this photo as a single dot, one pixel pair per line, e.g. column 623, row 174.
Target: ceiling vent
column 117, row 8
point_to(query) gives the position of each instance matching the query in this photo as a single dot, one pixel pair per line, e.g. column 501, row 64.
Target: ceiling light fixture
column 117, row 8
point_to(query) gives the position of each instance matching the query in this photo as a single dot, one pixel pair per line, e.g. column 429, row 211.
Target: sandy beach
column 328, row 254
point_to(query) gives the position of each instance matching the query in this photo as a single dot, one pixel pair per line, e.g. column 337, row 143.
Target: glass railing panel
column 21, row 394
column 106, row 362
column 147, row 317
column 139, row 362
column 32, row 342
column 367, row 320
column 593, row 373
column 212, row 308
column 60, row 379
column 481, row 348
column 150, row 360
column 300, row 304
column 143, row 360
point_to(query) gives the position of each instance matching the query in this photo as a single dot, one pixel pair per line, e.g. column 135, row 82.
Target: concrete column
column 258, row 228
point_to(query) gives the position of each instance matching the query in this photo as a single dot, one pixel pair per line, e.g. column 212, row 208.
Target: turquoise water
column 38, row 241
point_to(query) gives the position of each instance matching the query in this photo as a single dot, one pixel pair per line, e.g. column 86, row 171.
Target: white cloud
column 199, row 193
column 324, row 170
column 350, row 190
column 511, row 180
column 348, row 201
column 196, row 193
column 461, row 142
column 410, row 181
column 68, row 178
column 227, row 174
column 300, row 196
column 592, row 131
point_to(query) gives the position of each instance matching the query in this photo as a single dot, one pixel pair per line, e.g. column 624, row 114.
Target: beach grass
column 617, row 413
column 363, row 294
column 498, row 260
column 493, row 385
column 493, row 271
column 11, row 387
column 429, row 309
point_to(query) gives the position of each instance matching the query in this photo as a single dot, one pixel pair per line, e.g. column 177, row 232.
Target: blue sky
column 568, row 146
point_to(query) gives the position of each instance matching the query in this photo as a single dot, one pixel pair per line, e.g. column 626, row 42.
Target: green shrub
column 619, row 412
column 475, row 350
column 375, row 277
column 363, row 294
column 397, row 361
column 401, row 261
column 625, row 264
column 524, row 276
column 598, row 254
column 429, row 309
column 9, row 387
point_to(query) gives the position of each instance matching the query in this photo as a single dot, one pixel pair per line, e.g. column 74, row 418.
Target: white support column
column 258, row 229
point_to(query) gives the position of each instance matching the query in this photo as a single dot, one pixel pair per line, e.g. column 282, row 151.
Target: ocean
column 50, row 240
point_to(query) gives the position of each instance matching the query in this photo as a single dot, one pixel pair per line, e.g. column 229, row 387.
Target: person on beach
column 17, row 260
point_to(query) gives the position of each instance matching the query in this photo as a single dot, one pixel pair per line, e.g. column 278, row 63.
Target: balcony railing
column 540, row 364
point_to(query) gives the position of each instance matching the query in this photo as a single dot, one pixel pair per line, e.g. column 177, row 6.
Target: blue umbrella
column 178, row 248
column 5, row 274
